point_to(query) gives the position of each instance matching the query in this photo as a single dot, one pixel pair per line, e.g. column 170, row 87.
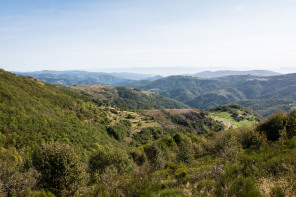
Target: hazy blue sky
column 90, row 35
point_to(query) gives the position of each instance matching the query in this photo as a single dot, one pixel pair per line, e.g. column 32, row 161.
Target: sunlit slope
column 33, row 112
column 208, row 93
column 234, row 115
column 129, row 98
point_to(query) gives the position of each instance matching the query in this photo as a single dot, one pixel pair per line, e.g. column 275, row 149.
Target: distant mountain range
column 262, row 90
column 61, row 141
column 223, row 73
column 69, row 78
column 244, row 89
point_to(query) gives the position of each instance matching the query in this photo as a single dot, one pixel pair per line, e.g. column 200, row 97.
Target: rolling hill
column 234, row 115
column 129, row 98
column 69, row 78
column 57, row 141
column 223, row 73
column 200, row 93
column 34, row 112
column 208, row 93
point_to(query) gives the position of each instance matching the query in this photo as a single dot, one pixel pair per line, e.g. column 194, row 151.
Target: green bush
column 138, row 157
column 172, row 193
column 147, row 134
column 62, row 171
column 129, row 116
column 250, row 139
column 291, row 124
column 185, row 148
column 226, row 144
column 37, row 193
column 277, row 192
column 155, row 156
column 142, row 137
column 273, row 126
column 118, row 131
column 106, row 157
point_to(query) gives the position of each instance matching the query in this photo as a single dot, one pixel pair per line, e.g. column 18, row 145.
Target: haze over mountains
column 51, row 133
column 202, row 90
column 207, row 93
column 222, row 73
column 150, row 98
column 69, row 78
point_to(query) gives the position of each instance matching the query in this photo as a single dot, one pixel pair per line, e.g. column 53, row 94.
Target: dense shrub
column 250, row 139
column 155, row 156
column 279, row 124
column 291, row 124
column 147, row 134
column 37, row 193
column 62, row 172
column 138, row 157
column 106, row 157
column 185, row 148
column 15, row 177
column 118, row 131
column 273, row 126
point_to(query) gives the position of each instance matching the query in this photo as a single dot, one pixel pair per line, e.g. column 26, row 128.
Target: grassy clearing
column 229, row 120
column 138, row 120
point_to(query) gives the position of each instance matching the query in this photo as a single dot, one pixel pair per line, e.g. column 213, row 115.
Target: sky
column 116, row 34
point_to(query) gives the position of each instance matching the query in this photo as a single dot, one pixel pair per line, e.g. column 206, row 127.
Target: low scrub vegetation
column 53, row 143
column 249, row 161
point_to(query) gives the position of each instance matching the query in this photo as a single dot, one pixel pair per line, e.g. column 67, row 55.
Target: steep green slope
column 33, row 112
column 123, row 97
column 54, row 143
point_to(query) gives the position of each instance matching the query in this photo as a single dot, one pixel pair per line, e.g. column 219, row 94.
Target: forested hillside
column 208, row 93
column 128, row 98
column 58, row 142
column 234, row 115
column 223, row 73
column 200, row 93
column 69, row 78
column 266, row 107
column 33, row 112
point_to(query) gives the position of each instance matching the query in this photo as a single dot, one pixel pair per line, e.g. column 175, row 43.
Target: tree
column 185, row 148
column 62, row 172
column 106, row 157
column 14, row 177
column 273, row 126
column 155, row 156
column 291, row 124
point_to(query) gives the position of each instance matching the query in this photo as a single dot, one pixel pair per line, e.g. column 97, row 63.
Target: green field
column 226, row 118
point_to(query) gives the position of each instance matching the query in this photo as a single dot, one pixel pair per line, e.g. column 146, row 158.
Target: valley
column 147, row 98
column 109, row 141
